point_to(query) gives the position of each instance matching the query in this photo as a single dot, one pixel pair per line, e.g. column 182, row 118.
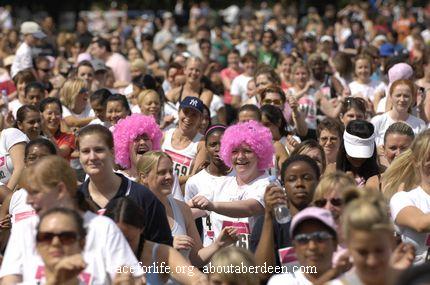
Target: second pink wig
column 255, row 135
column 128, row 129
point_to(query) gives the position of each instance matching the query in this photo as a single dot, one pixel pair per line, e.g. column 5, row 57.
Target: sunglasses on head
column 270, row 101
column 319, row 237
column 83, row 90
column 334, row 201
column 66, row 238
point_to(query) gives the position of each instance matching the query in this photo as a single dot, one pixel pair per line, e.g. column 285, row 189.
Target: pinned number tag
column 210, row 234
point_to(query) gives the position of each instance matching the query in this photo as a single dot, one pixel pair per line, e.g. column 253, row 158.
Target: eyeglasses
column 272, row 102
column 326, row 139
column 319, row 237
column 66, row 238
column 334, row 201
column 83, row 90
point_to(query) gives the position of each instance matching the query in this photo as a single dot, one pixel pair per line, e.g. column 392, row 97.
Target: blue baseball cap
column 386, row 50
column 192, row 102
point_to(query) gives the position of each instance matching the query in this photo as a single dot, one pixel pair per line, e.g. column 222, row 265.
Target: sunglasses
column 270, row 102
column 357, row 100
column 46, row 70
column 334, row 201
column 319, row 237
column 66, row 238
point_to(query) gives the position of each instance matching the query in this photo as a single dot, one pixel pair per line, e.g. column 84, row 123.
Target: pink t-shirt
column 120, row 67
column 231, row 74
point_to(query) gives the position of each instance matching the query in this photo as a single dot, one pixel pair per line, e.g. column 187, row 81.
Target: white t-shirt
column 239, row 86
column 420, row 199
column 349, row 278
column 290, row 278
column 86, row 113
column 227, row 191
column 366, row 90
column 8, row 138
column 382, row 122
column 14, row 106
column 18, row 207
column 97, row 121
column 23, row 59
column 216, row 104
column 105, row 250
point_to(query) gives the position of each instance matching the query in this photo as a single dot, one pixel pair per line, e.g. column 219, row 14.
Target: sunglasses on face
column 46, row 70
column 319, row 237
column 66, row 238
column 270, row 102
column 334, row 201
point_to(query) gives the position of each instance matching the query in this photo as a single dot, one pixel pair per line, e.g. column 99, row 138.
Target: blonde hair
column 145, row 93
column 70, row 90
column 49, row 171
column 149, row 161
column 329, row 181
column 403, row 170
column 365, row 211
column 234, row 256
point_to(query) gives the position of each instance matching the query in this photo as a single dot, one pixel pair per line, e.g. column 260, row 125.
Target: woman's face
column 57, row 238
column 151, row 104
column 132, row 234
column 395, row 144
column 133, row 54
column 401, row 98
column 286, row 66
column 86, row 73
column 350, row 115
column 205, row 121
column 193, row 71
column 20, row 89
column 81, row 99
column 160, row 178
column 94, row 154
column 213, row 146
column 261, row 82
column 356, row 162
column 362, row 70
column 371, row 253
column 51, row 117
column 300, row 181
column 301, row 77
column 332, row 201
column 244, row 161
column 31, row 125
column 274, row 129
column 36, row 152
column 273, row 98
column 141, row 145
column 330, row 141
column 247, row 115
column 424, row 170
column 189, row 119
column 115, row 111
column 98, row 109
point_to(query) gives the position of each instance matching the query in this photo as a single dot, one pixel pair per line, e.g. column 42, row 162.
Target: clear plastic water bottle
column 5, row 108
column 282, row 214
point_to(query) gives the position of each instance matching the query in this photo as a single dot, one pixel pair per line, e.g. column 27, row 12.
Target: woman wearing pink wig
column 248, row 149
column 133, row 136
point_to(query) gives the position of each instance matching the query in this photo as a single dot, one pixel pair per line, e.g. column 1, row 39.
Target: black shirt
column 157, row 227
column 281, row 236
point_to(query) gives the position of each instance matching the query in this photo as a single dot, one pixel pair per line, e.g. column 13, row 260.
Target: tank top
column 182, row 91
column 152, row 277
column 179, row 227
column 184, row 158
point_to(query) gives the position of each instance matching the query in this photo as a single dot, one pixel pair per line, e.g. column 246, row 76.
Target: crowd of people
column 249, row 137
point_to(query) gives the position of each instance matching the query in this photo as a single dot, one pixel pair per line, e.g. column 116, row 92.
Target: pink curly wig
column 255, row 135
column 128, row 129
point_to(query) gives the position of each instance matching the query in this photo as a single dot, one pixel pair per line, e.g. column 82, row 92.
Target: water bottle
column 282, row 214
column 5, row 108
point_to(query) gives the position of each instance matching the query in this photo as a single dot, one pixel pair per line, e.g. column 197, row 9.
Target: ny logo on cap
column 194, row 102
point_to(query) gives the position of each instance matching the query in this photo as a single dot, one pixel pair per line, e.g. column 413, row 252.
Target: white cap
column 358, row 147
column 326, row 38
column 32, row 28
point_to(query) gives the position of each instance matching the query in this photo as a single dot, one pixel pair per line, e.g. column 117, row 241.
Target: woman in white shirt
column 77, row 110
column 248, row 149
column 402, row 94
column 410, row 208
column 156, row 173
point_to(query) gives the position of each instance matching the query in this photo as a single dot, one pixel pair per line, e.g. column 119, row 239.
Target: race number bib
column 287, row 256
column 84, row 277
column 243, row 232
column 181, row 163
column 4, row 171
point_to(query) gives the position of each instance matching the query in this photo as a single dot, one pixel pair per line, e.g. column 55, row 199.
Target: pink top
column 228, row 73
column 120, row 67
